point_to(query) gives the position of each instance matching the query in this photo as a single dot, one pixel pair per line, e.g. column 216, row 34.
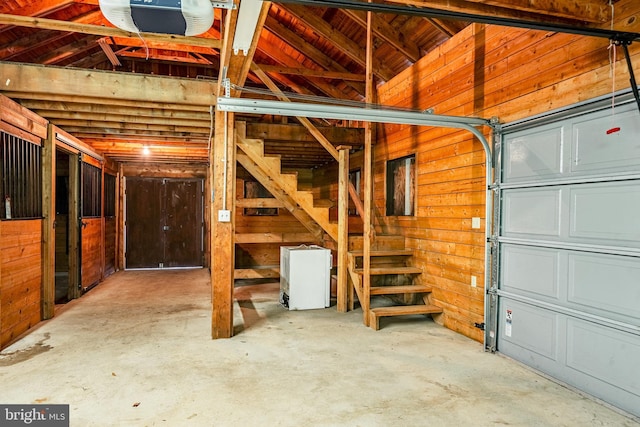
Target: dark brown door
column 183, row 223
column 164, row 223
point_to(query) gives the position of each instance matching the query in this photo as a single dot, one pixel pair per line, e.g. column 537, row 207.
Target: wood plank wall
column 20, row 241
column 20, row 277
column 485, row 71
column 92, row 246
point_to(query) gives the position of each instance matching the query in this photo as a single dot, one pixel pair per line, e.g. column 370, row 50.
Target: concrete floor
column 136, row 351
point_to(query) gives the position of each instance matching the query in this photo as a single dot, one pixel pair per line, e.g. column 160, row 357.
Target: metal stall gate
column 567, row 248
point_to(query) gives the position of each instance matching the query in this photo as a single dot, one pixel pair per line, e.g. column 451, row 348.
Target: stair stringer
column 389, row 263
column 283, row 186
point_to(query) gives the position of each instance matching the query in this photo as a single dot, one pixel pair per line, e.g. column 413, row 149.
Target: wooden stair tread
column 383, row 252
column 401, row 310
column 379, row 271
column 404, row 289
column 323, row 203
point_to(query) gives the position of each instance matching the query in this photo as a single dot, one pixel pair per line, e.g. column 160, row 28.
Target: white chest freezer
column 305, row 274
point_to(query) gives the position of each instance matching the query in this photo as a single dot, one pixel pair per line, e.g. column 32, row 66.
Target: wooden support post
column 222, row 173
column 343, row 229
column 368, row 182
column 121, row 217
column 74, row 227
column 48, row 225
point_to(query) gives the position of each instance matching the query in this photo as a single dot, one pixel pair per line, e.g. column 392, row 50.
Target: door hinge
column 479, row 326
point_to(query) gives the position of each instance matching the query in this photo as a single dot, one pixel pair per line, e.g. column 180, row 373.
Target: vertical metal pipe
column 632, row 76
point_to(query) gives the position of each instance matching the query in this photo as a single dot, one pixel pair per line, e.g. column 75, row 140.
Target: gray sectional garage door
column 568, row 251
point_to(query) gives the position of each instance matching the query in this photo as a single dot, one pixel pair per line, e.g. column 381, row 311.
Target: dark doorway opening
column 62, row 227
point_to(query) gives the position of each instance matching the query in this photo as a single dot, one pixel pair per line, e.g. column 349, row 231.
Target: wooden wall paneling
column 487, row 71
column 49, row 225
column 92, row 249
column 21, row 273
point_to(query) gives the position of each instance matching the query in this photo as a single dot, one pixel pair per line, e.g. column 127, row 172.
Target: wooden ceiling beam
column 176, row 47
column 144, row 140
column 295, row 132
column 154, row 54
column 114, row 126
column 36, row 8
column 307, row 50
column 128, row 147
column 55, row 56
column 322, row 85
column 133, row 135
column 299, row 71
column 24, row 44
column 538, row 11
column 116, row 116
column 97, row 104
column 238, row 65
column 384, row 31
column 51, row 108
column 74, row 27
column 341, row 42
column 583, row 10
column 106, row 85
column 447, row 28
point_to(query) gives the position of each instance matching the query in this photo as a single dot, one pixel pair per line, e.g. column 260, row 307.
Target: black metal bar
column 632, row 74
column 620, row 36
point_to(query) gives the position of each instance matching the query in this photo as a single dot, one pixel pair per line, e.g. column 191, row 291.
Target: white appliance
column 183, row 17
column 305, row 272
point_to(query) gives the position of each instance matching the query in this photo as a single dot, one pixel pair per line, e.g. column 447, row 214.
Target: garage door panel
column 534, row 155
column 599, row 282
column 566, row 268
column 529, row 328
column 606, row 211
column 593, row 150
column 532, row 212
column 604, row 354
column 531, row 271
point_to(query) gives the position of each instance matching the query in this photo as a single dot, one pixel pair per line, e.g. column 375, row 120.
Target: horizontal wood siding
column 484, row 71
column 91, row 251
column 20, row 277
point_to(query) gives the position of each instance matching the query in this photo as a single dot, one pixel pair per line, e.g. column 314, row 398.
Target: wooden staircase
column 391, row 276
column 314, row 215
column 390, row 273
